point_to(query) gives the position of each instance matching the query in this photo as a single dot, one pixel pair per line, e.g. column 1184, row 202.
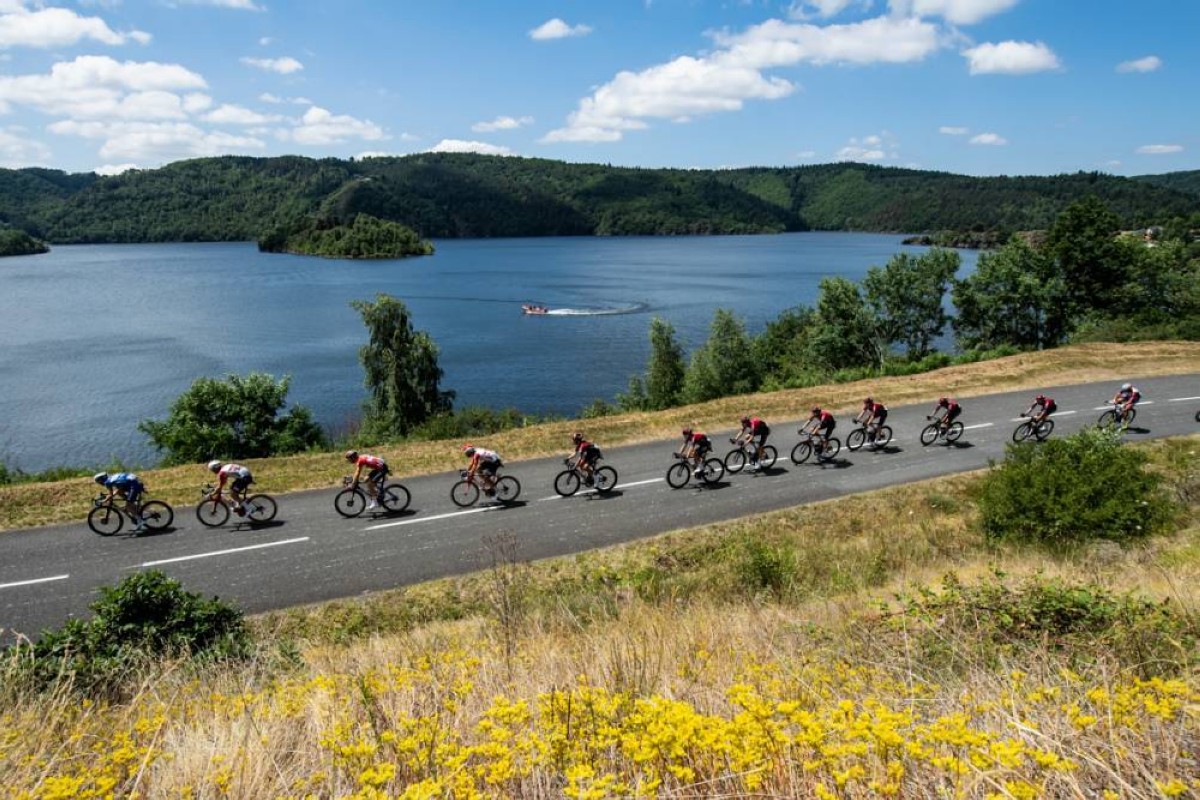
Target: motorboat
column 530, row 308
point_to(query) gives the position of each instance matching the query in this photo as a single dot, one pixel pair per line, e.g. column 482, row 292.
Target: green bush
column 1063, row 492
column 766, row 567
column 147, row 616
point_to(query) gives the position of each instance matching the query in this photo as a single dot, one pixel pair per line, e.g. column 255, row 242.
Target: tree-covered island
column 363, row 237
column 19, row 243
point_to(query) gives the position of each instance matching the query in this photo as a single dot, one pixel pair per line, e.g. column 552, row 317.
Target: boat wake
column 632, row 308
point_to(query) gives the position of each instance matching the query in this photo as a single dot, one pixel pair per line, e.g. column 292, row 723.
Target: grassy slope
column 27, row 505
column 663, row 661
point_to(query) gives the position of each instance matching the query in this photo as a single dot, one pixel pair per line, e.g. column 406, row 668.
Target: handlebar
column 347, row 480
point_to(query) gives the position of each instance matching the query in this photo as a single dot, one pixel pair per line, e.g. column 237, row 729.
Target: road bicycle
column 1038, row 431
column 566, row 483
column 214, row 511
column 938, row 429
column 107, row 518
column 466, row 492
column 353, row 500
column 743, row 452
column 862, row 435
column 679, row 473
column 826, row 449
column 1118, row 416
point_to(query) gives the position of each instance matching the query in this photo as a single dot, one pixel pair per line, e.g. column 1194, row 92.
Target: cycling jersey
column 486, row 456
column 371, row 462
column 126, row 482
column 758, row 428
column 587, row 451
column 825, row 421
column 1130, row 396
column 240, row 475
column 875, row 409
column 1048, row 406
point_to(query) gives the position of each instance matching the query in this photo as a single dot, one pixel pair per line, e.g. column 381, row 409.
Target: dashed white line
column 593, row 491
column 1182, row 399
column 434, row 518
column 32, row 582
column 215, row 553
column 980, row 425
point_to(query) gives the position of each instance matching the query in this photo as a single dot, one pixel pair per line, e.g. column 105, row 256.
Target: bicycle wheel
column 954, row 431
column 105, row 520
column 212, row 512
column 929, row 434
column 605, row 480
column 350, row 502
column 769, row 456
column 856, row 439
column 1130, row 416
column 566, row 483
column 1107, row 419
column 508, row 489
column 735, row 460
column 1022, row 432
column 883, row 436
column 679, row 474
column 464, row 493
column 260, row 508
column 157, row 515
column 801, row 452
column 395, row 498
column 1044, row 430
column 714, row 470
column 833, row 446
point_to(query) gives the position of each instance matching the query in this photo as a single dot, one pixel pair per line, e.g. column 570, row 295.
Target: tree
column 1093, row 263
column 907, row 298
column 665, row 369
column 782, row 347
column 724, row 364
column 237, row 417
column 845, row 332
column 401, row 370
column 1016, row 296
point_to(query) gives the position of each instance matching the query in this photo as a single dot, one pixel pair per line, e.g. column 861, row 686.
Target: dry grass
column 27, row 505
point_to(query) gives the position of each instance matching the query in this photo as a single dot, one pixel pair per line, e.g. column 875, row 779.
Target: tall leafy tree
column 665, row 370
column 782, row 347
column 235, row 417
column 401, row 370
column 907, row 297
column 1016, row 296
column 724, row 364
column 1094, row 264
column 845, row 332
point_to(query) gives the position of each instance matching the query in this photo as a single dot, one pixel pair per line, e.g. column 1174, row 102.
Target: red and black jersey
column 758, row 426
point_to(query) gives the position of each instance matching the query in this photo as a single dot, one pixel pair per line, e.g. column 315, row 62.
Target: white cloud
column 953, row 130
column 300, row 101
column 318, row 127
column 18, row 151
column 91, row 87
column 243, row 5
column 557, row 29
column 1147, row 64
column 989, row 139
column 409, row 137
column 156, row 142
column 723, row 80
column 877, row 147
column 1010, row 58
column 230, row 114
column 196, row 102
column 265, row 41
column 464, row 146
column 284, row 66
column 501, row 124
column 267, row 97
column 114, row 169
column 1159, row 149
column 957, row 12
column 56, row 27
column 807, row 9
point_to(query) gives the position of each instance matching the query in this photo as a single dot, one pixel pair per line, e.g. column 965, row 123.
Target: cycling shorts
column 879, row 418
column 1049, row 409
column 760, row 433
column 590, row 454
column 827, row 425
column 378, row 474
column 952, row 414
column 241, row 483
column 133, row 490
column 489, row 467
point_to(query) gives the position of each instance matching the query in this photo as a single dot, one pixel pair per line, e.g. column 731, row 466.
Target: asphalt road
column 310, row 554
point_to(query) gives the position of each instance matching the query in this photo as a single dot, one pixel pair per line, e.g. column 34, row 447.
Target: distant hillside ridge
column 450, row 195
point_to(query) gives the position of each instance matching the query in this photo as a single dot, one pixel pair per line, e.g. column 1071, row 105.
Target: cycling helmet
column 868, row 401
column 100, row 477
column 576, row 437
column 214, row 465
column 687, row 432
column 944, row 401
column 745, row 422
column 1041, row 398
column 468, row 449
column 816, row 410
column 351, row 455
column 1125, row 387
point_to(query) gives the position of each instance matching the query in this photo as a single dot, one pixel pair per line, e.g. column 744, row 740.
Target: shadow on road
column 835, row 463
column 247, row 525
column 768, row 471
column 146, row 534
column 408, row 512
column 1136, row 429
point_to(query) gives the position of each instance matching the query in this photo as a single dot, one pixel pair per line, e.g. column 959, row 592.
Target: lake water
column 94, row 338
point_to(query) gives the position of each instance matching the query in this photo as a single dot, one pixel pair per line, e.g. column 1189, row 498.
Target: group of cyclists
column 483, row 464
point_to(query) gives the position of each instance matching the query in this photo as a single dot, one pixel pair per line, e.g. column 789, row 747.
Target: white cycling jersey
column 487, row 455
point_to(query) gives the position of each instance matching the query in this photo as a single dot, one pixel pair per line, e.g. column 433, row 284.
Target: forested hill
column 459, row 195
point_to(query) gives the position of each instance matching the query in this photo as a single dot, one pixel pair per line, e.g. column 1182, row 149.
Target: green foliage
column 473, row 421
column 146, row 616
column 724, row 364
column 401, row 371
column 665, row 370
column 907, row 297
column 1083, row 621
column 20, row 243
column 1093, row 263
column 845, row 332
column 1063, row 492
column 365, row 237
column 237, row 417
column 761, row 566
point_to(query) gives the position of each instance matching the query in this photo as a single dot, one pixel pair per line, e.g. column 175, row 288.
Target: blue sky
column 983, row 87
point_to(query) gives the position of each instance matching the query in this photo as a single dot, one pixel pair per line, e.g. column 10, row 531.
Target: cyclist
column 755, row 432
column 821, row 423
column 586, row 455
column 946, row 411
column 485, row 463
column 872, row 417
column 241, row 480
column 378, row 470
column 695, row 447
column 128, row 487
column 1045, row 407
column 1127, row 397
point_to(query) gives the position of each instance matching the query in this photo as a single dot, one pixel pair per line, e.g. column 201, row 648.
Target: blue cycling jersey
column 122, row 480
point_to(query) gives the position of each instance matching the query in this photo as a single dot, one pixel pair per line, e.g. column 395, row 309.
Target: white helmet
column 1125, row 387
column 214, row 465
column 100, row 477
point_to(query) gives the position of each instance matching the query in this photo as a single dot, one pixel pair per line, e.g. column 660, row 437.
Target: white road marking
column 980, row 425
column 223, row 552
column 434, row 518
column 594, row 491
column 32, row 582
column 1055, row 414
column 1182, row 399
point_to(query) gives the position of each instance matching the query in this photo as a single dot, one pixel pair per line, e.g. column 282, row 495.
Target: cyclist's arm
column 473, row 466
column 357, row 473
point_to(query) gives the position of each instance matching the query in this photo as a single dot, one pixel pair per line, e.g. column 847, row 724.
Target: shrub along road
column 310, row 554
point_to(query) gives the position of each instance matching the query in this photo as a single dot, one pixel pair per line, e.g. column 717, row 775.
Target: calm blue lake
column 97, row 337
